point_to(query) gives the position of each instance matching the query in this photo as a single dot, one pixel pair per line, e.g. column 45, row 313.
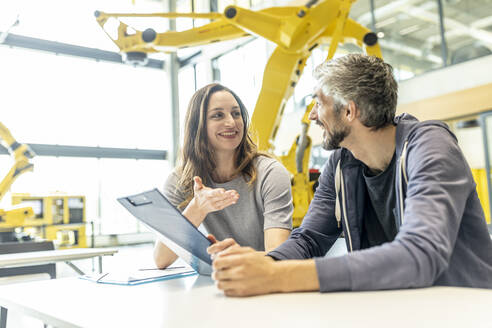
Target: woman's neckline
column 225, row 181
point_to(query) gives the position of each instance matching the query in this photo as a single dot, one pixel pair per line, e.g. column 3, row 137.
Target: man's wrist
column 296, row 275
column 276, row 284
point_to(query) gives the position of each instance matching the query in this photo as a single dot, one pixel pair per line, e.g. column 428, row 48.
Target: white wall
column 458, row 77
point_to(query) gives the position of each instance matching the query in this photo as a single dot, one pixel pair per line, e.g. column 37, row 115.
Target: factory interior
column 94, row 99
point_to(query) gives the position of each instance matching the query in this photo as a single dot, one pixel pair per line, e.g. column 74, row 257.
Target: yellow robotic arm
column 296, row 31
column 22, row 163
column 139, row 43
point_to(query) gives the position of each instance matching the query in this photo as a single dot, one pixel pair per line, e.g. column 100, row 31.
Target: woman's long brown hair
column 197, row 156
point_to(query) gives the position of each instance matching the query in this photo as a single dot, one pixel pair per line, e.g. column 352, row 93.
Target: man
column 400, row 190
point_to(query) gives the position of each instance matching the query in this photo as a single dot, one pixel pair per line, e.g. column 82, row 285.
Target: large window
column 48, row 99
column 186, row 80
column 69, row 21
column 241, row 70
column 63, row 100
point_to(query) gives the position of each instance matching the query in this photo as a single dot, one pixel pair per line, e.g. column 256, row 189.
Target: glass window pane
column 122, row 178
column 203, row 73
column 183, row 6
column 201, row 7
column 186, row 89
column 101, row 181
column 67, row 21
column 66, row 100
column 468, row 26
column 242, row 70
column 403, row 31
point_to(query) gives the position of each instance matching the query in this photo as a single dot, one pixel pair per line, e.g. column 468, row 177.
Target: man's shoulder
column 407, row 125
column 431, row 132
column 411, row 130
column 436, row 146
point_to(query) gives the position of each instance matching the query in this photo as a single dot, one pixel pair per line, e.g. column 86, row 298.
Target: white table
column 195, row 302
column 52, row 256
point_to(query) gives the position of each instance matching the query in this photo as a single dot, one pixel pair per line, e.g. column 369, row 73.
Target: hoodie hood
column 406, row 125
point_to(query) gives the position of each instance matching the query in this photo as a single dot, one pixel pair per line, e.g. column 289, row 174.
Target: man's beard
column 332, row 141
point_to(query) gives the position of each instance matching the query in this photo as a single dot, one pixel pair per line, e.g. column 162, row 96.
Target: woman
column 223, row 181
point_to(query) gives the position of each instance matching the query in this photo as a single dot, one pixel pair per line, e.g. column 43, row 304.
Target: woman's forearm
column 163, row 256
column 274, row 237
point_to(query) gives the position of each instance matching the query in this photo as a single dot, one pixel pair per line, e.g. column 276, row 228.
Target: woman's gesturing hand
column 208, row 200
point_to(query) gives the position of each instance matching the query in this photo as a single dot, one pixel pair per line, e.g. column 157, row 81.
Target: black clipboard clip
column 139, row 200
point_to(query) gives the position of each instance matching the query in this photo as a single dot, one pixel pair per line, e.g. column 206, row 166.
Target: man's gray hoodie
column 442, row 237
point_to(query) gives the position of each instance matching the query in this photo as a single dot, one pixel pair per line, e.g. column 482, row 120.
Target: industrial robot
column 17, row 215
column 296, row 31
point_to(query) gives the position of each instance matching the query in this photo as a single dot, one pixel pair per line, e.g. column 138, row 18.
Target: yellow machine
column 22, row 154
column 60, row 218
column 55, row 217
column 296, row 31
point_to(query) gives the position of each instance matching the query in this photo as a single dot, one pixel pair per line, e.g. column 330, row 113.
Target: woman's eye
column 236, row 114
column 217, row 115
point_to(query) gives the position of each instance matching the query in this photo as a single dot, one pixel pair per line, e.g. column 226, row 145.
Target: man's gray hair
column 367, row 81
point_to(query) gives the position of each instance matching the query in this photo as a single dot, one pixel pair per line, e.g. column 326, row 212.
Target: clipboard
column 155, row 211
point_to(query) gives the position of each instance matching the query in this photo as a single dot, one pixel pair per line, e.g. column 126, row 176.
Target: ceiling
column 411, row 30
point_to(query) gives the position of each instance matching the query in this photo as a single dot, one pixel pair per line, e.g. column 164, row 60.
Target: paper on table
column 139, row 276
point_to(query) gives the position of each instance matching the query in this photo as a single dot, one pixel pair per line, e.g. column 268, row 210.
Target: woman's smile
column 229, row 134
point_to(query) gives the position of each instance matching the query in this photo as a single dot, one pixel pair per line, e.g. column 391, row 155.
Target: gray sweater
column 265, row 204
column 442, row 238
